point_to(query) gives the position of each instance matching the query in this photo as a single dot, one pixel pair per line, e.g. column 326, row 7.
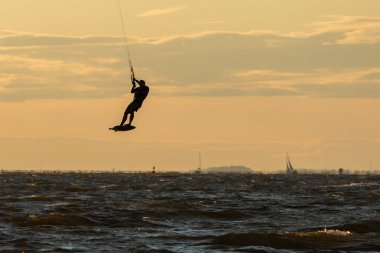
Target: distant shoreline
column 310, row 172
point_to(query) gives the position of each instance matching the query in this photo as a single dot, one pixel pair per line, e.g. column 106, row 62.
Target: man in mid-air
column 140, row 93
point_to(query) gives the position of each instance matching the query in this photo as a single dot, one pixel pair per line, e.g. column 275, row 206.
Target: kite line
column 125, row 39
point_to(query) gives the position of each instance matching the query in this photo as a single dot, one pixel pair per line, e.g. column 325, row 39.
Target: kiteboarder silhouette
column 140, row 94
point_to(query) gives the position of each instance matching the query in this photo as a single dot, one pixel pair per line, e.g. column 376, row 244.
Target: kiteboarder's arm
column 134, row 80
column 139, row 82
column 133, row 85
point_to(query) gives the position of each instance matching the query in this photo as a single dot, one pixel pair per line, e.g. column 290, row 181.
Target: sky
column 243, row 82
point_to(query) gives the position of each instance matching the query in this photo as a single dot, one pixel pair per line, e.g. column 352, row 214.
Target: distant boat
column 289, row 167
column 199, row 170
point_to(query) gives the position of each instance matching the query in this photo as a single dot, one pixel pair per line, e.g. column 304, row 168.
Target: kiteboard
column 122, row 128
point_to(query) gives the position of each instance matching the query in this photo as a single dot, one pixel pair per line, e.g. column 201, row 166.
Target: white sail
column 289, row 166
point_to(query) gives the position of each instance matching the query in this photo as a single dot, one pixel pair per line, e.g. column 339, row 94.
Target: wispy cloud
column 158, row 12
column 355, row 29
column 360, row 82
column 209, row 22
column 317, row 76
column 329, row 60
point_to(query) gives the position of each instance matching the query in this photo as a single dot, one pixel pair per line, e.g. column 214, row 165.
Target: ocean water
column 120, row 212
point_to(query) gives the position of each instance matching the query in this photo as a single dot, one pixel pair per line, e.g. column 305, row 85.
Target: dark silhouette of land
column 229, row 169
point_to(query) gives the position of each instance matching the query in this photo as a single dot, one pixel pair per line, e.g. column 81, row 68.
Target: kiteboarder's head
column 142, row 82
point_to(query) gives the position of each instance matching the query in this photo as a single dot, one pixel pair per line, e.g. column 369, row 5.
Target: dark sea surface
column 119, row 212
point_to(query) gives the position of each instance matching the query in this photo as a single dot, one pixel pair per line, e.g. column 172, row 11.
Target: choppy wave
column 296, row 241
column 116, row 212
column 362, row 227
column 325, row 232
column 51, row 219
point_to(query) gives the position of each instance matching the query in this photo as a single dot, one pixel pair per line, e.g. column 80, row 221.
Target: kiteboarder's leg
column 124, row 118
column 132, row 115
column 127, row 111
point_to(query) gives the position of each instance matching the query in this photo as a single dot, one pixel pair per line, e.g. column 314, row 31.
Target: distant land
column 229, row 169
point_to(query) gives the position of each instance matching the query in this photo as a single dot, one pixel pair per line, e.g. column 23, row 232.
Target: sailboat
column 289, row 167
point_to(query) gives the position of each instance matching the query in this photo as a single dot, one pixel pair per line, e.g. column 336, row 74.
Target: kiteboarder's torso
column 140, row 93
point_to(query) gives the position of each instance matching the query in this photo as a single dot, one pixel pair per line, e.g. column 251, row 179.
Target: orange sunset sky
column 243, row 82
